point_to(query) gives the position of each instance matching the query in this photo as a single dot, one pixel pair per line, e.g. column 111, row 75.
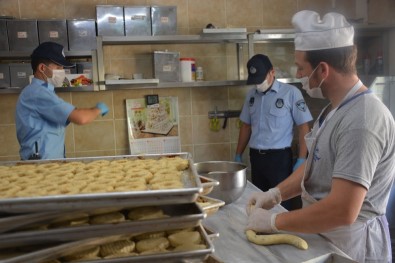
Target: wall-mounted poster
column 153, row 125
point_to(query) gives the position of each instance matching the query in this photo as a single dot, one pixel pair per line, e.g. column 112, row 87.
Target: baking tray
column 208, row 184
column 213, row 206
column 73, row 247
column 192, row 187
column 180, row 216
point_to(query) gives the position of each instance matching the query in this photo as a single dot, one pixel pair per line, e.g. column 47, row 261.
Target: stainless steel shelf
column 176, row 39
column 26, row 54
column 66, row 89
column 122, row 85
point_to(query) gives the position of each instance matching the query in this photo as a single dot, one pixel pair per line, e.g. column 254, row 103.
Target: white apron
column 362, row 241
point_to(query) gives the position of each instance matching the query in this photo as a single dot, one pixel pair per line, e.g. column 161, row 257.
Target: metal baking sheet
column 73, row 247
column 214, row 205
column 208, row 184
column 180, row 216
column 192, row 187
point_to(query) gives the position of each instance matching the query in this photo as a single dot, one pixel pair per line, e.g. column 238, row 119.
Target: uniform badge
column 252, row 70
column 301, row 105
column 252, row 100
column 279, row 103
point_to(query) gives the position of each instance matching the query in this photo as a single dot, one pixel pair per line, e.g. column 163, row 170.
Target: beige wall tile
column 126, row 67
column 9, row 8
column 7, row 108
column 204, row 12
column 278, row 13
column 8, row 141
column 69, row 140
column 186, row 130
column 90, row 99
column 53, row 9
column 96, row 136
column 188, row 149
column 122, row 151
column 201, row 132
column 121, row 134
column 206, row 99
column 243, row 13
column 212, row 152
column 128, row 51
column 82, row 9
column 347, row 8
column 381, row 11
column 94, row 153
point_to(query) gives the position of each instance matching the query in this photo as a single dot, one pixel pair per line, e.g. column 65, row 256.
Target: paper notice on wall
column 153, row 128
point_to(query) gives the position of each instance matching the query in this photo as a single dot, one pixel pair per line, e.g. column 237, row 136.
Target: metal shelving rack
column 237, row 38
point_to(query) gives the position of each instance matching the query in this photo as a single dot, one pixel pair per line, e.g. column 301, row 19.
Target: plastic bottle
column 199, row 74
column 188, row 69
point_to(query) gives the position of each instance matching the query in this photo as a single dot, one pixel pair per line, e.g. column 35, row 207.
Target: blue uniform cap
column 258, row 66
column 52, row 51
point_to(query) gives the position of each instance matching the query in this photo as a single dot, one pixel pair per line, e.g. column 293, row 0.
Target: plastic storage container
column 188, row 69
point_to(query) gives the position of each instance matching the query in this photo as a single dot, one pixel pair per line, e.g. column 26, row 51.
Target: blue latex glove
column 102, row 107
column 238, row 158
column 299, row 161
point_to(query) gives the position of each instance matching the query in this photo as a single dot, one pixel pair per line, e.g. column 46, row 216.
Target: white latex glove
column 262, row 220
column 266, row 200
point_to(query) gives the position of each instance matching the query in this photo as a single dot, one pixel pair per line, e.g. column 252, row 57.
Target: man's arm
column 303, row 129
column 84, row 116
column 244, row 137
column 340, row 207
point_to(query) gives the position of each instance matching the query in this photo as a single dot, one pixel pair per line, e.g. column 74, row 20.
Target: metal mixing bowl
column 231, row 176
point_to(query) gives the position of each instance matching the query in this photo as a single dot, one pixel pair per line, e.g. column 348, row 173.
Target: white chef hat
column 312, row 33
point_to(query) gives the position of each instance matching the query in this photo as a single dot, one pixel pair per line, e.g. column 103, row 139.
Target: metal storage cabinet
column 20, row 73
column 164, row 20
column 82, row 34
column 22, row 34
column 3, row 35
column 5, row 81
column 167, row 66
column 110, row 20
column 53, row 30
column 137, row 20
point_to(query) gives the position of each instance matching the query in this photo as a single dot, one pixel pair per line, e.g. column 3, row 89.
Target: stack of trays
column 208, row 204
column 52, row 227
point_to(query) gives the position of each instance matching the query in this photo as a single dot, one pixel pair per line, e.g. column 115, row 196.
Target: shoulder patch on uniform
column 279, row 103
column 251, row 102
column 301, row 105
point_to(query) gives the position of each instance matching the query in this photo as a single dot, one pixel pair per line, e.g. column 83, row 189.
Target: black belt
column 265, row 151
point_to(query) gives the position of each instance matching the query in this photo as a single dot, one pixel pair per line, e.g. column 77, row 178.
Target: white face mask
column 314, row 92
column 58, row 76
column 264, row 86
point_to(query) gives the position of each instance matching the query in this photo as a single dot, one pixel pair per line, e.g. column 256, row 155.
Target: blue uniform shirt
column 41, row 116
column 272, row 115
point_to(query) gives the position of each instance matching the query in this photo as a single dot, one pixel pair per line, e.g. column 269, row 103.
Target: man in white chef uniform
column 346, row 180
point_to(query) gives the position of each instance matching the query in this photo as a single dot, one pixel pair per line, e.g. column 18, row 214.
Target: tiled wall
column 108, row 135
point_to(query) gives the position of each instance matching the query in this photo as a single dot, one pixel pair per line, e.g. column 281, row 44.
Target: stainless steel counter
column 232, row 245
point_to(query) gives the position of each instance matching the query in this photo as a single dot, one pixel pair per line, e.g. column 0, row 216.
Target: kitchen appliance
column 137, row 20
column 231, row 176
column 110, row 21
column 53, row 30
column 82, row 34
column 22, row 34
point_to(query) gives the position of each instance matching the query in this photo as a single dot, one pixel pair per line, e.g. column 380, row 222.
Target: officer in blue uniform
column 41, row 116
column 270, row 111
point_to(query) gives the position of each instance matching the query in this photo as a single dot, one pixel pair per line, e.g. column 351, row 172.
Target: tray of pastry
column 209, row 205
column 84, row 183
column 81, row 225
column 208, row 184
column 181, row 245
